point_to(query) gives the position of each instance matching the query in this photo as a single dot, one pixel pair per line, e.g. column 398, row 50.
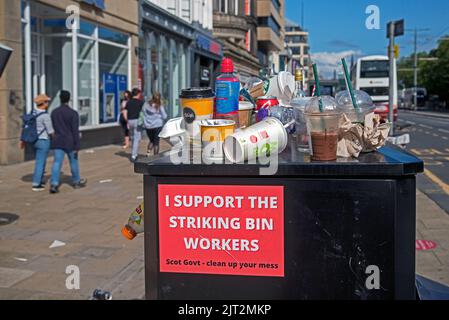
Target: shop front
column 165, row 55
column 90, row 59
column 207, row 56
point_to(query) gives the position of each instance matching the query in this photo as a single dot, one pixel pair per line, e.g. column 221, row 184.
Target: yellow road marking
column 416, row 152
column 437, row 181
column 436, row 151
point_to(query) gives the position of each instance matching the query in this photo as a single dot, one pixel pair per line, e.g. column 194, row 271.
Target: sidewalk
column 89, row 222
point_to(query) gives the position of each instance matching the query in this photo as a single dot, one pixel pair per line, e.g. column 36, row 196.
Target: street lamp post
column 392, row 75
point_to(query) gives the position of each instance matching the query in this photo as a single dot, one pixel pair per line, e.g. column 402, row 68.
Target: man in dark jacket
column 66, row 141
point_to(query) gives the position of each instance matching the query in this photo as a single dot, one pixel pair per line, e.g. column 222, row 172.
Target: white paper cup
column 282, row 86
column 260, row 140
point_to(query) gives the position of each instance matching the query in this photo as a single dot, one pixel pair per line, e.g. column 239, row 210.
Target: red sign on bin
column 227, row 230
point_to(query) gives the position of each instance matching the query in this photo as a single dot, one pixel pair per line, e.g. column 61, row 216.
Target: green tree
column 435, row 74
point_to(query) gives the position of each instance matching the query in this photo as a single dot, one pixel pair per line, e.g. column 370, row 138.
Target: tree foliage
column 432, row 75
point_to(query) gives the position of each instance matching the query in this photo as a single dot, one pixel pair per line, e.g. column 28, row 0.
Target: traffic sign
column 399, row 28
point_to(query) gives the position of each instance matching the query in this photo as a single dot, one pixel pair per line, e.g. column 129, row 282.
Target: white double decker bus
column 372, row 75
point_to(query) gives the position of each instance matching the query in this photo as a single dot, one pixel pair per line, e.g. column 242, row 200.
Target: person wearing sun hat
column 45, row 132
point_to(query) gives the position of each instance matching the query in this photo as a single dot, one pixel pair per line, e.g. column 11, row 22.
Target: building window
column 165, row 72
column 305, row 50
column 86, row 81
column 175, row 71
column 58, row 67
column 276, row 4
column 171, row 6
column 112, row 36
column 112, row 61
column 221, row 6
column 296, row 50
column 270, row 23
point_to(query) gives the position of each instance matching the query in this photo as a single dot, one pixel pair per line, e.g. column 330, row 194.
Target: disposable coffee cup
column 245, row 113
column 281, row 86
column 213, row 135
column 323, row 124
column 197, row 104
column 261, row 140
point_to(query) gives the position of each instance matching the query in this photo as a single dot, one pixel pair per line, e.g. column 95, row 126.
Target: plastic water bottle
column 227, row 92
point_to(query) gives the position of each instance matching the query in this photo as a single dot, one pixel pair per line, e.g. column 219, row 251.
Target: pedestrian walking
column 38, row 130
column 154, row 118
column 66, row 142
column 132, row 114
column 122, row 120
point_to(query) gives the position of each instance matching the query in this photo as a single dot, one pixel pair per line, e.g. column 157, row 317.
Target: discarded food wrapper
column 21, row 259
column 57, row 244
column 358, row 138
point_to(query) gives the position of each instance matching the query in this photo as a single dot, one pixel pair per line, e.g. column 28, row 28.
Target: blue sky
column 337, row 27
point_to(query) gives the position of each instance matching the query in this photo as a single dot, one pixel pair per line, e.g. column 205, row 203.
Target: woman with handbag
column 154, row 115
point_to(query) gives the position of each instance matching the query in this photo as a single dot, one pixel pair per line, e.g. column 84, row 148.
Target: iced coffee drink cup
column 345, row 104
column 323, row 119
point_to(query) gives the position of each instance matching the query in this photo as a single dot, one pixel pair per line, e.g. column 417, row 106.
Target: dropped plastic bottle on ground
column 135, row 224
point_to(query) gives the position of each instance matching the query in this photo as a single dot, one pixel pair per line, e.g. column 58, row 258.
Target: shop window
column 165, row 73
column 86, row 28
column 112, row 36
column 175, row 78
column 54, row 26
column 154, row 65
column 58, row 67
column 113, row 61
column 86, row 81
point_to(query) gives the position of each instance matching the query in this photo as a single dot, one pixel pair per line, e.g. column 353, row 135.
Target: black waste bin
column 339, row 230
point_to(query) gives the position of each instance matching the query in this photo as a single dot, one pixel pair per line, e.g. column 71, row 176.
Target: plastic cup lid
column 329, row 106
column 363, row 99
column 300, row 103
column 286, row 82
column 245, row 105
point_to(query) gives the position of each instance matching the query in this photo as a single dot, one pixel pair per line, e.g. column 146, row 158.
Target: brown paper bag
column 356, row 138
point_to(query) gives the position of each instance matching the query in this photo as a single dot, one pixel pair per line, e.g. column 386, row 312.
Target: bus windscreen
column 375, row 69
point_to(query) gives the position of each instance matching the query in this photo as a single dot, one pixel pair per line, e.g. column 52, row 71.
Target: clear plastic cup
column 323, row 126
column 345, row 105
column 302, row 136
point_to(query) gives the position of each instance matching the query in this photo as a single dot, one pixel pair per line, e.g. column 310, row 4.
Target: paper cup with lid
column 197, row 104
column 281, row 86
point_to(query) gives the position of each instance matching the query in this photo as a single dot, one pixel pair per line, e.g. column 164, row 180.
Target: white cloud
column 327, row 62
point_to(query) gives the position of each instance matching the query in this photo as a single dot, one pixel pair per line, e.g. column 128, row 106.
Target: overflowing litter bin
column 312, row 230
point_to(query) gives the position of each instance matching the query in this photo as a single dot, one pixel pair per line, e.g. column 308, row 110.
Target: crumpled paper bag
column 355, row 138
